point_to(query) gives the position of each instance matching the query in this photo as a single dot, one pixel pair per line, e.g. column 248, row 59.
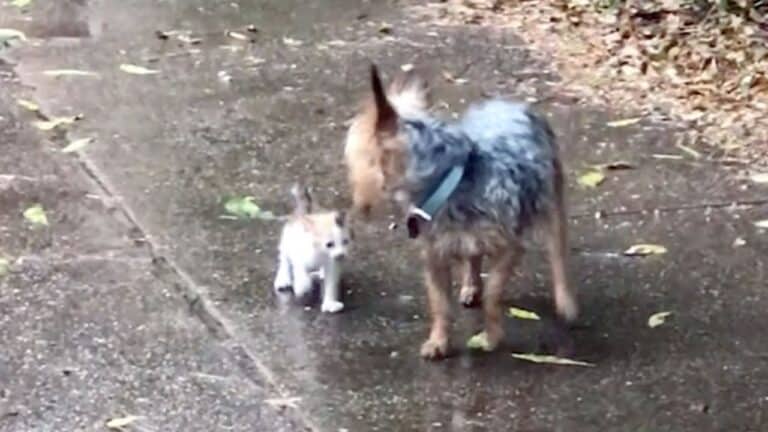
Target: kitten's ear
column 386, row 117
column 341, row 219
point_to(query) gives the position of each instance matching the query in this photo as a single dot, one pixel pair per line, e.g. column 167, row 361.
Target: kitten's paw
column 332, row 306
column 283, row 284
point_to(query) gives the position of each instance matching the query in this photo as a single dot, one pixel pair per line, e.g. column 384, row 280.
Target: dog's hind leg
column 472, row 283
column 502, row 266
column 566, row 304
column 438, row 281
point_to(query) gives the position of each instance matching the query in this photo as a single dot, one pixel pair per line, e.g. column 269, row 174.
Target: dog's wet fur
column 513, row 182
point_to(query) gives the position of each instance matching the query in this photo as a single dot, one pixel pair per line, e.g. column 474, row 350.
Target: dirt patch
column 704, row 63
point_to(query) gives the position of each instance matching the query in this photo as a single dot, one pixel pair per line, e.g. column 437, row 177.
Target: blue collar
column 435, row 198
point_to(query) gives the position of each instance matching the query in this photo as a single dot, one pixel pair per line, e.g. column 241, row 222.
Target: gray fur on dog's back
column 509, row 152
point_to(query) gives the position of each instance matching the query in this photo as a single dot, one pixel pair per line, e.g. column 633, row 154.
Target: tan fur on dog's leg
column 557, row 243
column 472, row 283
column 501, row 269
column 438, row 283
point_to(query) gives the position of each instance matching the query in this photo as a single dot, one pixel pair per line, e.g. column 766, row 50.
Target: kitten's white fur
column 306, row 257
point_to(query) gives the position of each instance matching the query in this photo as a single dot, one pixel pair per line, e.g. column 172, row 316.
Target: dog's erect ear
column 386, row 117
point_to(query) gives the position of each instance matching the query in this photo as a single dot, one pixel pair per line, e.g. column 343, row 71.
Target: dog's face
column 376, row 148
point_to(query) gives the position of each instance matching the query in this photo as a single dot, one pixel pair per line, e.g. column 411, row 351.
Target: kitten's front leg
column 283, row 279
column 332, row 273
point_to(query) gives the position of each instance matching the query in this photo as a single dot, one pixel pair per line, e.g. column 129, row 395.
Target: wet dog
column 312, row 248
column 470, row 188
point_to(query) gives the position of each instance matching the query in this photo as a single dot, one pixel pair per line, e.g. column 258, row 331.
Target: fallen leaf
column 28, row 105
column 591, row 179
column 8, row 34
column 69, row 72
column 690, row 151
column 36, row 215
column 759, row 178
column 645, row 249
column 46, row 125
column 137, row 70
column 549, row 359
column 5, row 266
column 122, row 422
column 478, row 342
column 658, row 319
column 452, row 79
column 290, row 402
column 245, row 208
column 762, row 223
column 77, row 145
column 623, row 122
column 292, row 42
column 522, row 314
column 21, row 3
column 666, row 156
column 237, row 35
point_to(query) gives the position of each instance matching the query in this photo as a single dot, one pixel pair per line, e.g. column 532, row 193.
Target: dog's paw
column 332, row 306
column 470, row 296
column 434, row 349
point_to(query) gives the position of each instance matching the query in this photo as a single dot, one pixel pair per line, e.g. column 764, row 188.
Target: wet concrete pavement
column 230, row 117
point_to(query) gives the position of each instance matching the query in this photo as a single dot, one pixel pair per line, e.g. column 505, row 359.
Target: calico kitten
column 312, row 248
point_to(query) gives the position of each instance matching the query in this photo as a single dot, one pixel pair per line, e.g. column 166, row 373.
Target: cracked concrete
column 164, row 309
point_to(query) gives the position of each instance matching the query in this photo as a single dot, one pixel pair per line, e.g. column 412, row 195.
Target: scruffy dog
column 312, row 248
column 471, row 189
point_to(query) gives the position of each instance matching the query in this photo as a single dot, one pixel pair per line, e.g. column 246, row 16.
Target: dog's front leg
column 438, row 282
column 472, row 283
column 502, row 266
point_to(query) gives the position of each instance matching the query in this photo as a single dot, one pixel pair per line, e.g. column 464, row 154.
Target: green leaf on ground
column 9, row 34
column 522, row 314
column 5, row 266
column 658, row 319
column 478, row 342
column 137, row 70
column 623, row 122
column 69, row 72
column 645, row 250
column 591, row 179
column 549, row 359
column 246, row 208
column 46, row 125
column 36, row 215
column 28, row 105
column 762, row 223
column 21, row 3
column 121, row 422
column 77, row 145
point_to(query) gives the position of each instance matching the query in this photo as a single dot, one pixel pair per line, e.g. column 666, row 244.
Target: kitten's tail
column 302, row 199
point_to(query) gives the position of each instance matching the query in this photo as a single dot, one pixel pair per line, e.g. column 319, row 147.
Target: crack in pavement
column 195, row 294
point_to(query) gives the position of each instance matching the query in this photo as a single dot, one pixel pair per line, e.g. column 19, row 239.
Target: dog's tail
column 302, row 200
column 409, row 94
column 566, row 302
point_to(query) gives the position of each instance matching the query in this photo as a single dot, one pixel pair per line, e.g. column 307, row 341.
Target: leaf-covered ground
column 702, row 62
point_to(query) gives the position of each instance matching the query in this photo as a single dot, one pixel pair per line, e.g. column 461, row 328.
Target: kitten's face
column 332, row 234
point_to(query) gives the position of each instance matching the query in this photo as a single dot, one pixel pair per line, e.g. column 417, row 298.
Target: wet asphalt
column 145, row 288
